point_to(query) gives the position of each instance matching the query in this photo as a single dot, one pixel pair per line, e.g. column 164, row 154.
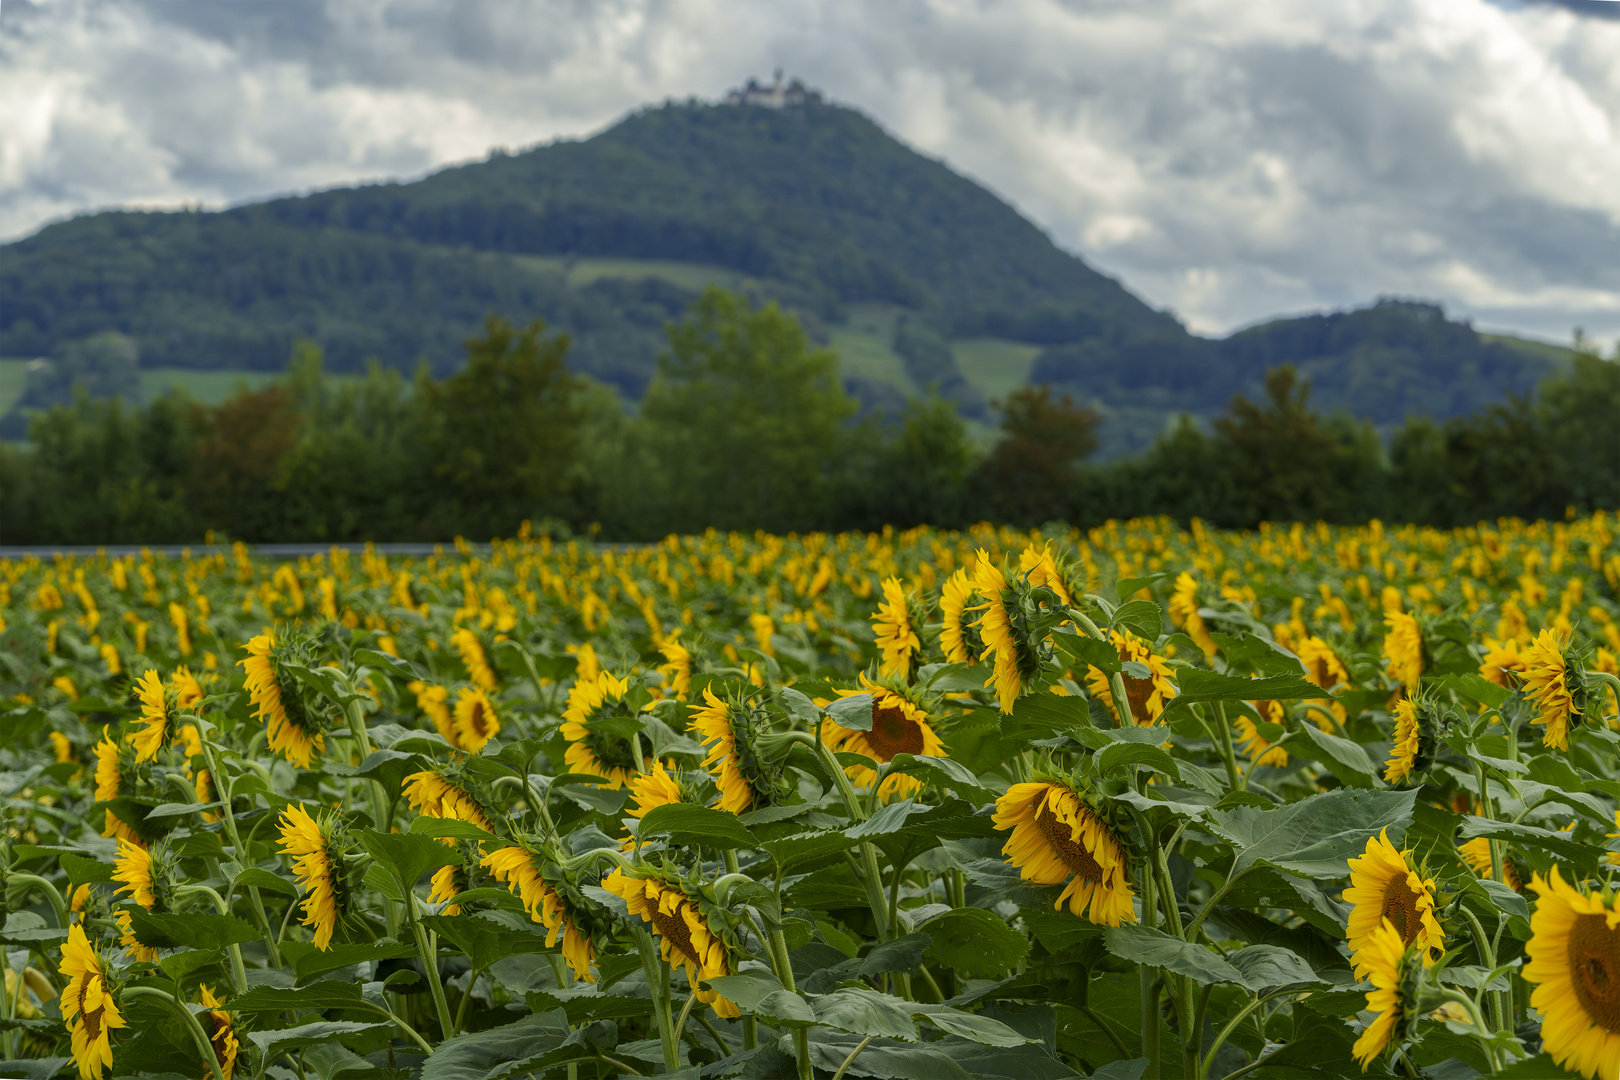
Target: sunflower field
column 1135, row 802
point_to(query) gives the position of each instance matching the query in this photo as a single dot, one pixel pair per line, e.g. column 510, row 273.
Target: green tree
column 915, row 472
column 745, row 418
column 1032, row 474
column 501, row 435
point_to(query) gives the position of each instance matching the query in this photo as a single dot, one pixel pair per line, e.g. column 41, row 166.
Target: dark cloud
column 1227, row 160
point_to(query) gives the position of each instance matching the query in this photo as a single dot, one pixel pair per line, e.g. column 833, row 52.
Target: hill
column 915, row 273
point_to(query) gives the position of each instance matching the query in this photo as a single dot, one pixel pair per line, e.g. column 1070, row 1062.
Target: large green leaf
column 761, row 993
column 1345, row 759
column 487, row 937
column 318, row 996
column 1314, row 837
column 1154, row 948
column 520, row 1047
column 976, row 943
column 410, row 855
column 278, row 1040
column 194, row 930
column 689, row 824
column 862, row 1011
column 309, row 962
column 972, row 1026
column 1197, row 685
column 1141, row 617
column 1269, row 967
column 1584, row 855
column 887, row 1059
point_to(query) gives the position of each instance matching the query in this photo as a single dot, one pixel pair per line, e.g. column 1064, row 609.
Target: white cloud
column 1229, row 159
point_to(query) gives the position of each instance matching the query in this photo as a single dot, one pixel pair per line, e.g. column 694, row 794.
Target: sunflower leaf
column 975, row 943
column 1141, row 617
column 853, row 712
column 686, row 823
column 278, row 1040
column 1154, row 948
column 194, row 930
column 410, row 855
column 1314, row 837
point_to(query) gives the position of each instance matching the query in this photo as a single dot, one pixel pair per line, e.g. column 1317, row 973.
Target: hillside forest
column 746, row 425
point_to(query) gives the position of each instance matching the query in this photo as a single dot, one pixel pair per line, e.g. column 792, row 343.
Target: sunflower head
column 318, row 847
column 146, row 874
column 1419, row 722
column 958, row 637
column 1556, row 683
column 1574, row 953
column 677, row 666
column 1148, row 697
column 475, row 657
column 474, row 721
column 732, row 730
column 899, row 724
column 89, row 1006
column 1404, row 648
column 295, row 716
column 1058, row 836
column 1185, row 612
column 1384, row 887
column 693, row 931
column 1016, row 621
column 220, row 1030
column 156, row 723
column 897, row 627
column 602, row 724
column 1400, row 994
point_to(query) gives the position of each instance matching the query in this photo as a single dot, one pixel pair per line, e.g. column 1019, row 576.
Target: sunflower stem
column 427, row 949
column 650, row 963
column 228, row 819
column 1487, row 954
column 58, row 905
column 204, row 1044
column 238, row 969
column 849, row 1059
column 1228, row 755
column 784, row 972
column 1231, row 1026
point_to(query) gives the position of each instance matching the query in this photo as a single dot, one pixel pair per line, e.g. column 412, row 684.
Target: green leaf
column 333, row 1060
column 192, row 931
column 1584, row 855
column 509, row 1050
column 1042, row 715
column 945, row 772
column 1130, row 586
column 393, row 665
column 586, row 1002
column 317, row 996
column 309, row 962
column 1121, row 754
column 410, row 855
column 253, row 877
column 81, row 870
column 1154, row 948
column 759, row 992
column 689, row 824
column 800, row 705
column 449, row 827
column 966, row 1025
column 1314, row 837
column 1090, row 651
column 389, row 768
column 853, row 712
column 181, row 964
column 1270, row 967
column 974, row 942
column 279, row 1040
column 1345, row 759
column 861, row 1011
column 1476, row 687
column 1196, row 685
column 886, row 1059
column 1140, row 617
column 486, row 938
column 801, row 850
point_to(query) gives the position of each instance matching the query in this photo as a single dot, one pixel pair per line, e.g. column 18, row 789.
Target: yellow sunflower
column 1056, row 835
column 88, row 1008
column 956, row 636
column 599, row 753
column 653, row 789
column 133, row 870
column 1403, row 648
column 1547, row 685
column 515, row 867
column 1503, row 664
column 896, row 636
column 1148, row 697
column 677, row 667
column 1184, row 612
column 154, row 721
column 290, row 731
column 1384, row 886
column 1252, row 743
column 1040, row 568
column 62, row 748
column 318, row 872
column 1322, row 665
column 431, row 795
column 108, row 779
column 431, row 700
column 185, row 687
column 472, row 655
column 1408, row 742
column 221, row 1032
column 712, row 724
column 1385, row 962
column 996, row 630
column 684, row 936
column 475, row 719
column 1574, row 952
column 446, row 885
column 899, row 726
column 1477, row 854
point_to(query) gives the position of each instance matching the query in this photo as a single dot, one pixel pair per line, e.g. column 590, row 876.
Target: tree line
column 746, row 426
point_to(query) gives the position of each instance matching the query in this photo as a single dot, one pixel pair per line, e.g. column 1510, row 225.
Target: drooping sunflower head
column 186, row 689
column 686, row 937
column 958, row 637
column 1044, row 568
column 658, row 787
column 1404, row 648
column 317, row 850
column 730, row 730
column 88, row 1007
column 1384, row 886
column 114, row 767
column 433, row 701
column 1574, row 953
column 1185, row 614
column 900, row 725
column 220, row 1031
column 677, row 666
column 155, row 723
column 476, row 659
column 1016, row 622
column 435, row 794
column 474, row 721
column 1148, row 697
column 147, row 875
column 896, row 627
column 1057, row 836
column 1417, row 726
column 1255, row 745
column 1555, row 683
column 1504, row 663
column 294, row 722
column 602, row 728
column 549, row 900
column 1395, row 969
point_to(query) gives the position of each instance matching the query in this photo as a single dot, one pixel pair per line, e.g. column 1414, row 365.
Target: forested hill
column 918, row 275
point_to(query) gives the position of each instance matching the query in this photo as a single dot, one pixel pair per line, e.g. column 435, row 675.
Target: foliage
column 104, row 365
column 1033, row 466
column 400, row 897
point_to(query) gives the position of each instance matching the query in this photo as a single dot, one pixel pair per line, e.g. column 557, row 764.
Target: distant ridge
column 805, row 202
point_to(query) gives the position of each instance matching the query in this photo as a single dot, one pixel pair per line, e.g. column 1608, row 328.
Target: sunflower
column 108, row 779
column 62, row 748
column 88, row 1008
column 1547, row 684
column 1041, row 569
column 715, row 726
column 895, row 630
column 133, row 869
column 317, row 869
column 472, row 655
column 1148, row 697
column 1504, row 663
column 291, row 730
column 431, row 700
column 899, row 726
column 1001, row 642
column 221, row 1032
column 1477, row 854
column 593, row 706
column 677, row 667
column 446, row 886
column 431, row 795
column 1253, row 744
column 1574, row 953
column 154, row 718
column 475, row 719
column 186, row 689
column 653, row 789
column 1184, row 612
column 1408, row 746
column 1385, row 961
column 957, row 637
column 514, row 866
column 1403, row 648
column 1322, row 665
column 588, row 667
column 684, row 935
column 1383, row 887
column 1056, row 835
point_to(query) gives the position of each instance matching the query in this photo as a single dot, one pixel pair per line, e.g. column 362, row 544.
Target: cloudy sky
column 1228, row 159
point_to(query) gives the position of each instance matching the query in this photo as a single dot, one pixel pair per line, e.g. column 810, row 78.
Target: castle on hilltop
column 775, row 96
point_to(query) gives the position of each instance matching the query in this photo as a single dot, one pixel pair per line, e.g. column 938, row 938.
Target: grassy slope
column 12, row 373
column 208, row 387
